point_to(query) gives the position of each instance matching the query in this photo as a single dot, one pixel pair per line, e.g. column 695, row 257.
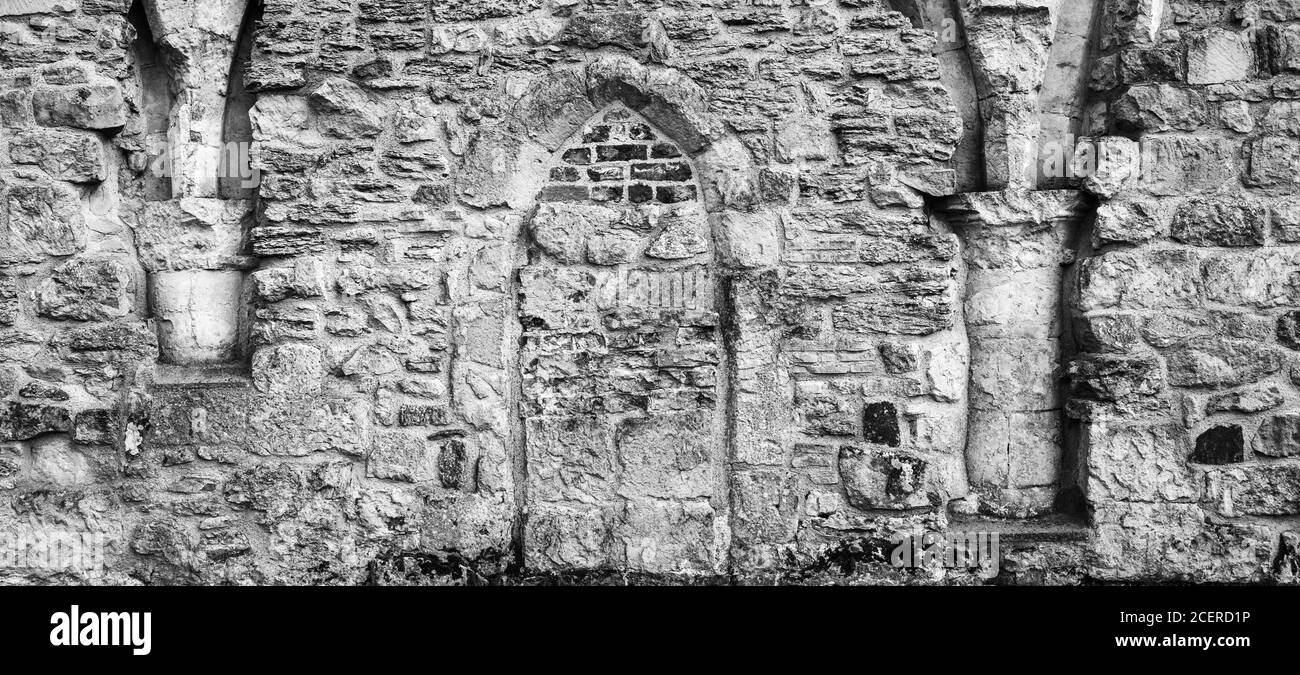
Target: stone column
column 1015, row 244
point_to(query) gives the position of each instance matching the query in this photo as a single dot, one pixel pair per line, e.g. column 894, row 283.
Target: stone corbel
column 1009, row 42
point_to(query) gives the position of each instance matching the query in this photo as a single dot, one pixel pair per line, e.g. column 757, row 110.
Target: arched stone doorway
column 622, row 363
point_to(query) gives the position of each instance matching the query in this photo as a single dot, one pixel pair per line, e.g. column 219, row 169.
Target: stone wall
column 1185, row 389
column 659, row 290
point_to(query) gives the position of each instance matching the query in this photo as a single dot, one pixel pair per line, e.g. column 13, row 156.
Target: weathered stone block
column 667, row 456
column 1013, row 303
column 44, row 218
column 894, row 316
column 402, row 457
column 1262, row 279
column 288, row 369
column 1115, row 378
column 1218, row 362
column 597, row 29
column 1219, row 56
column 1127, row 223
column 1209, row 221
column 764, row 506
column 1178, row 164
column 569, row 537
column 890, row 479
column 1139, row 280
column 1278, row 436
column 1248, row 400
column 671, row 536
column 21, row 421
column 1271, row 489
column 76, row 157
column 87, row 289
column 1274, row 163
column 1134, row 462
column 571, row 460
column 99, row 106
column 198, row 314
column 1015, row 374
column 306, row 279
column 1160, row 107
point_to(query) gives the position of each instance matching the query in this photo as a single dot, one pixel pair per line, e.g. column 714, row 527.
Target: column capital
column 1014, row 208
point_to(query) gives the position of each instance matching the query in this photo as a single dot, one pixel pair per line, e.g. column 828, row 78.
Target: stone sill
column 1054, row 528
column 229, row 375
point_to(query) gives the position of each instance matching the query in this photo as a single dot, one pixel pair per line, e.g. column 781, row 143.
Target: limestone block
column 1179, row 164
column 764, row 504
column 668, row 456
column 1220, row 362
column 1013, row 304
column 569, row 537
column 1148, row 279
column 90, row 288
column 57, row 462
column 672, row 536
column 1219, row 56
column 1139, row 463
column 876, row 478
column 98, row 106
column 1220, row 221
column 1257, row 279
column 198, row 314
column 77, row 157
column 1278, row 436
column 43, row 218
column 1160, row 107
column 1015, row 374
column 288, row 369
column 1271, row 489
column 571, row 460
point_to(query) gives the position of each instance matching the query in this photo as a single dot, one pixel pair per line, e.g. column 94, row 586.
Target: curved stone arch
column 674, row 533
column 552, row 109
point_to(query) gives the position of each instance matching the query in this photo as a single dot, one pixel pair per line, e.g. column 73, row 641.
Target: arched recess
column 638, row 207
column 156, row 98
column 192, row 234
column 622, row 359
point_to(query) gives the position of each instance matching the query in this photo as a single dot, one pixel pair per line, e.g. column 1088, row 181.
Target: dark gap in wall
column 908, row 9
column 235, row 178
column 153, row 71
column 1072, row 499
